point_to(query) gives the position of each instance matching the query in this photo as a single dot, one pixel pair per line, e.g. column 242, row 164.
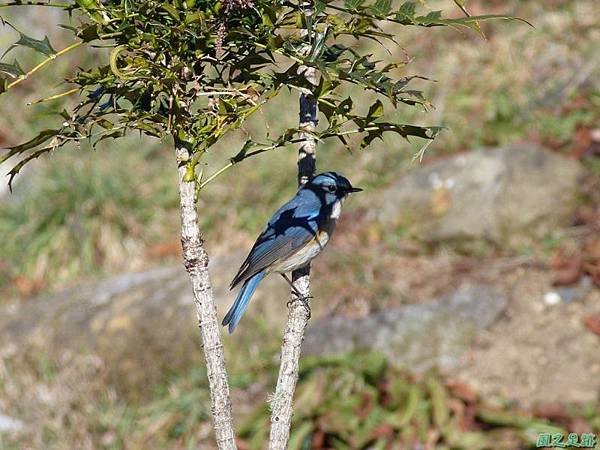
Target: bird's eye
column 330, row 188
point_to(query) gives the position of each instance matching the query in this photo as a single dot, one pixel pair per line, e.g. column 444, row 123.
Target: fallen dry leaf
column 567, row 266
column 592, row 323
column 462, row 391
column 551, row 411
column 164, row 249
column 318, row 439
column 579, row 425
column 383, row 431
column 28, row 286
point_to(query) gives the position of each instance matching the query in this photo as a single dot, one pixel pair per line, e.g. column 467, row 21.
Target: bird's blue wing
column 290, row 228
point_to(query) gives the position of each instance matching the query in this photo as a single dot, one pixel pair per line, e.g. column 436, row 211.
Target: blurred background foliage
column 84, row 212
column 486, row 92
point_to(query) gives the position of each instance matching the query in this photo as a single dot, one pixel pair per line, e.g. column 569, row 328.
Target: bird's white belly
column 302, row 256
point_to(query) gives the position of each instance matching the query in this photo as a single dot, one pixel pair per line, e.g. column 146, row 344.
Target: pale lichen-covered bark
column 196, row 263
column 298, row 314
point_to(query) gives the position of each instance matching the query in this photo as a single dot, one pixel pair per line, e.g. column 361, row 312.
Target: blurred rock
column 499, row 195
column 142, row 326
column 415, row 337
column 568, row 294
column 10, row 425
column 536, row 354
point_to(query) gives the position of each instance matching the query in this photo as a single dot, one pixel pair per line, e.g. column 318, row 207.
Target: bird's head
column 332, row 186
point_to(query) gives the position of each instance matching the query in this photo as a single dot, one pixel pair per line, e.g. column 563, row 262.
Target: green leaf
column 267, row 21
column 300, row 435
column 439, row 402
column 434, row 19
column 408, row 10
column 382, row 7
column 376, row 110
column 433, row 16
column 41, row 137
column 92, row 8
column 42, row 46
column 371, row 136
column 319, row 7
column 113, row 135
column 89, row 33
column 36, row 154
column 197, row 16
column 353, row 5
column 324, row 88
column 239, row 156
column 171, row 10
column 318, row 45
column 345, row 106
column 106, row 124
column 14, row 70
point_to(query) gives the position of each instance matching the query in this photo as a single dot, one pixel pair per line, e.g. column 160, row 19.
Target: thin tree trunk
column 298, row 315
column 196, row 263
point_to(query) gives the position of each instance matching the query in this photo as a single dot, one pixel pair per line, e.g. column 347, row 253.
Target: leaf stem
column 216, row 174
column 43, row 63
column 258, row 151
column 54, row 97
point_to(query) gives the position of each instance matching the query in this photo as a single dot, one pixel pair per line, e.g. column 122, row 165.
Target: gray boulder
column 141, row 326
column 415, row 337
column 500, row 195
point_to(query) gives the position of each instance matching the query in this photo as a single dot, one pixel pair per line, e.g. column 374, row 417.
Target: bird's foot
column 304, row 299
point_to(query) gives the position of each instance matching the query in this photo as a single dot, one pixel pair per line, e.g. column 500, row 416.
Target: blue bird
column 294, row 236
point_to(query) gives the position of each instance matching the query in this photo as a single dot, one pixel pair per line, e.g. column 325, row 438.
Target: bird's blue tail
column 233, row 316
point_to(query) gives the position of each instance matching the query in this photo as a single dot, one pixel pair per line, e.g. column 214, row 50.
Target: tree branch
column 196, row 263
column 298, row 314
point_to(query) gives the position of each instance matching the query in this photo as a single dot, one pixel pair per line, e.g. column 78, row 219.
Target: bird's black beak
column 355, row 189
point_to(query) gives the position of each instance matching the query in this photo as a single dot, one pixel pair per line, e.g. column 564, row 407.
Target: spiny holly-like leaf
column 376, row 130
column 39, row 45
column 353, row 4
column 239, row 156
column 371, row 136
column 200, row 70
column 42, row 46
column 407, row 11
column 42, row 137
column 382, row 8
column 112, row 135
column 434, row 18
column 376, row 110
column 17, row 167
column 14, row 70
column 93, row 9
column 319, row 7
column 325, row 87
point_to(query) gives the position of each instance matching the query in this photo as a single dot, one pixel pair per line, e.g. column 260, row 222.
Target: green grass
column 85, row 212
